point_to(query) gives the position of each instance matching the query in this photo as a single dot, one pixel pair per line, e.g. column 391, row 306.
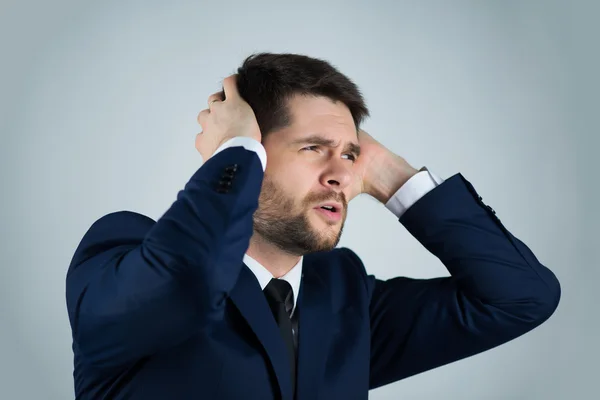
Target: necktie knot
column 279, row 291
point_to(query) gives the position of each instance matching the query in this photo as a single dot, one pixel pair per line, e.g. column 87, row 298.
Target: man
column 239, row 292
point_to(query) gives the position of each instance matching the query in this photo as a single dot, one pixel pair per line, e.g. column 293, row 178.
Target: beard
column 278, row 221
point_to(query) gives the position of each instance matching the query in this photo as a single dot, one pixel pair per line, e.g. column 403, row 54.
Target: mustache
column 324, row 197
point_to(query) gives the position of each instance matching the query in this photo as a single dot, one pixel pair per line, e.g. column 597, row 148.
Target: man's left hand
column 378, row 171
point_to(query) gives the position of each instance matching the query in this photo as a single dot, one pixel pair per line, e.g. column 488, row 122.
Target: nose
column 337, row 175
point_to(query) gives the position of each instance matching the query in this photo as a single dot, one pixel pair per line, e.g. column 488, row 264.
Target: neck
column 275, row 260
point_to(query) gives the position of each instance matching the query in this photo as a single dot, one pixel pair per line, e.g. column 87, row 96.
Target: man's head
column 308, row 114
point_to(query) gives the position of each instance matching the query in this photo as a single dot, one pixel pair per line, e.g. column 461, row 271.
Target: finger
column 215, row 97
column 230, row 87
column 202, row 116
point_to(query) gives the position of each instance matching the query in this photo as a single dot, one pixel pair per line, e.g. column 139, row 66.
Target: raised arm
column 497, row 291
column 135, row 287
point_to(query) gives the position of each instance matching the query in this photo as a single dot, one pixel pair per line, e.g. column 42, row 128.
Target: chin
column 330, row 239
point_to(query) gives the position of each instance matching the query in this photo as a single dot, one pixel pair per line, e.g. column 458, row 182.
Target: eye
column 351, row 156
column 309, row 148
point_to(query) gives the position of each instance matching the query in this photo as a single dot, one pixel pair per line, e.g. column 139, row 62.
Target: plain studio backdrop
column 98, row 105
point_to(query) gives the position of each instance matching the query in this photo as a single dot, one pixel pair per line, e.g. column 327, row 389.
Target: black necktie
column 280, row 297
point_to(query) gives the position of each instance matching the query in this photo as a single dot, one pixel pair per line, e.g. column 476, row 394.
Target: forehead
column 319, row 115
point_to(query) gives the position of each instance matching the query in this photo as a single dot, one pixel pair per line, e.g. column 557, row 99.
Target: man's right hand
column 225, row 119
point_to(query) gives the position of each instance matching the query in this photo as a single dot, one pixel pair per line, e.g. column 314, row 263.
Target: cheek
column 295, row 189
column 295, row 177
column 298, row 179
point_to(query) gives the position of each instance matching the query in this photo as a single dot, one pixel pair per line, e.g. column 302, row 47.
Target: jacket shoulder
column 339, row 265
column 120, row 228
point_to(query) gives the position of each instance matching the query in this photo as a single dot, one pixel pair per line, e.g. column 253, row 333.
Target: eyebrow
column 323, row 141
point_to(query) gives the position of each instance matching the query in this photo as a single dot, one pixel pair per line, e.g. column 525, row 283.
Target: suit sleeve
column 497, row 290
column 135, row 287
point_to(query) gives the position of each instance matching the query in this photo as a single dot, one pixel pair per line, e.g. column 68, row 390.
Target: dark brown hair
column 266, row 81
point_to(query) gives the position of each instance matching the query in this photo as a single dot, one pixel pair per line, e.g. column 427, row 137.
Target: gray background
column 98, row 103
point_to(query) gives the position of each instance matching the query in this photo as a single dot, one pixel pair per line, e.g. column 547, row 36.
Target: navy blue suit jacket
column 168, row 310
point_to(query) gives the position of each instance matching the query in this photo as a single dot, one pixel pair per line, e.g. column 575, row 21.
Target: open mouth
column 330, row 208
column 332, row 212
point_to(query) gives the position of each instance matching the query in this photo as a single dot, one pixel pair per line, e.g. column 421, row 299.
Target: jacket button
column 231, row 168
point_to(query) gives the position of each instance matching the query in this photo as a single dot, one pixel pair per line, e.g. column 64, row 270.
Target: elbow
column 541, row 302
column 551, row 298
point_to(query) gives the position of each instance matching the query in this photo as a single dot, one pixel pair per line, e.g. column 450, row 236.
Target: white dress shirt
column 415, row 188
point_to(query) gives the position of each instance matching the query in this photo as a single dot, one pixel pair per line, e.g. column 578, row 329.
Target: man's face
column 303, row 173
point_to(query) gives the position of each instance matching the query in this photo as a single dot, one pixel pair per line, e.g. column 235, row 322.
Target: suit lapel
column 315, row 316
column 250, row 300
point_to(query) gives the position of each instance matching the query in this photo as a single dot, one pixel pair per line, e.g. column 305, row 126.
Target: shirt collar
column 293, row 277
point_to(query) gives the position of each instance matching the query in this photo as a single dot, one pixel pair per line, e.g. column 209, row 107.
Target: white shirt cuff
column 415, row 188
column 249, row 144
